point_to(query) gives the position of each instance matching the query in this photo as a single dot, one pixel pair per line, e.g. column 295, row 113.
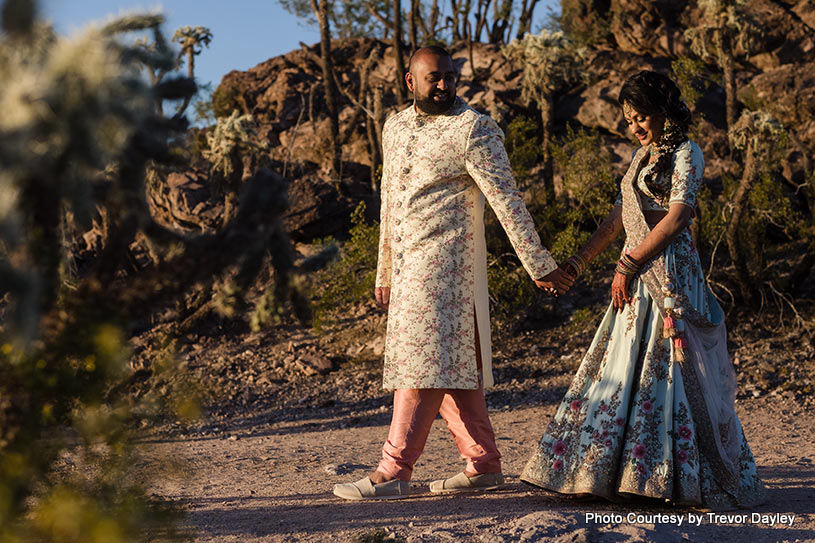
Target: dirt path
column 261, row 479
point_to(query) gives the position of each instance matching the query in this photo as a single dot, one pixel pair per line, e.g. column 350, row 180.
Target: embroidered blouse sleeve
column 686, row 179
column 487, row 163
column 383, row 261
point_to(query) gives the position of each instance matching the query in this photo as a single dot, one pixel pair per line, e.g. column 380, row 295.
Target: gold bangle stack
column 578, row 263
column 627, row 265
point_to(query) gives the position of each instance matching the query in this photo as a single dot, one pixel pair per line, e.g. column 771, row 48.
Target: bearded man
column 441, row 160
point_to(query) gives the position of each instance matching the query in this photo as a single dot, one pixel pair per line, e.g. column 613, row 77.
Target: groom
column 441, row 160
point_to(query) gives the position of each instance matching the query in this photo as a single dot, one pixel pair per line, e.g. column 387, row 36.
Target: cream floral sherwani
column 437, row 171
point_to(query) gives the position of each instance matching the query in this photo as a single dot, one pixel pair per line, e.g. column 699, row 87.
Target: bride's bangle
column 577, row 262
column 627, row 265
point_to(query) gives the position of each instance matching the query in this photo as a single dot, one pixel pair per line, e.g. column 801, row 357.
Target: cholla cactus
column 725, row 29
column 753, row 130
column 551, row 62
column 191, row 39
column 231, row 138
column 728, row 16
column 71, row 108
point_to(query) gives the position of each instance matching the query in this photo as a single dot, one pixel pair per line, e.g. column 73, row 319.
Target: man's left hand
column 383, row 296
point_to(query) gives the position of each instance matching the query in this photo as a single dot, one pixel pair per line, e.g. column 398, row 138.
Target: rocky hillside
column 622, row 36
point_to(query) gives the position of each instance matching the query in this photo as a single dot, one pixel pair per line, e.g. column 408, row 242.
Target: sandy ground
column 258, row 478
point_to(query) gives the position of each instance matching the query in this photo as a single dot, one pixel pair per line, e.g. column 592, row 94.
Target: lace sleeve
column 686, row 178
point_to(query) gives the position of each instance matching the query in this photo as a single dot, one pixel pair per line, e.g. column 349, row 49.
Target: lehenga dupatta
column 707, row 370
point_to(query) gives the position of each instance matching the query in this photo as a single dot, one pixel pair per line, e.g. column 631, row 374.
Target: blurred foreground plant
column 78, row 132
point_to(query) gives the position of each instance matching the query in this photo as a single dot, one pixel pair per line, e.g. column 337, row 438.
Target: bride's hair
column 652, row 93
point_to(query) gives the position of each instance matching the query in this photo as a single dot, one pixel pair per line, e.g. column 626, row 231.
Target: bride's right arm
column 606, row 233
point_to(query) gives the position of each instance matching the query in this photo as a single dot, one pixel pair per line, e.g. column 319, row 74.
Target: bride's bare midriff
column 653, row 217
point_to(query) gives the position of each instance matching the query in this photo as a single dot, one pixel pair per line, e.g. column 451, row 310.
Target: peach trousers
column 464, row 411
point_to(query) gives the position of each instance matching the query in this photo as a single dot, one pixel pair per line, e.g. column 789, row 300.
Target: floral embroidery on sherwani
column 437, row 172
column 641, row 426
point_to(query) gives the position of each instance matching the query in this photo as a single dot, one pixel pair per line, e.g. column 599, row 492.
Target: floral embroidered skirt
column 632, row 423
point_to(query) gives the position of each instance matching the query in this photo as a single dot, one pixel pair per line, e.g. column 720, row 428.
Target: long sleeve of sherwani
column 487, row 163
column 383, row 261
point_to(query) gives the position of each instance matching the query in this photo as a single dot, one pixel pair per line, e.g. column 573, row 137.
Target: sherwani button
column 398, row 222
column 405, row 171
column 402, row 187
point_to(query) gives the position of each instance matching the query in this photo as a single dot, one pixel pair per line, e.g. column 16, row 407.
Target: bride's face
column 646, row 128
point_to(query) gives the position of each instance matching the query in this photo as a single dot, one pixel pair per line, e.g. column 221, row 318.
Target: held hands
column 383, row 296
column 556, row 282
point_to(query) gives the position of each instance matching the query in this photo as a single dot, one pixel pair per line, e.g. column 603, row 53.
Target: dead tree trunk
column 470, row 51
column 373, row 143
column 502, row 16
column 525, row 19
column 190, row 74
column 429, row 26
column 739, row 207
column 401, row 91
column 546, row 136
column 320, row 8
column 480, row 19
column 455, row 17
column 725, row 57
column 412, row 24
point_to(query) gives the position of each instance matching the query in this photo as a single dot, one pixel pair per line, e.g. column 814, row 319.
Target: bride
column 650, row 410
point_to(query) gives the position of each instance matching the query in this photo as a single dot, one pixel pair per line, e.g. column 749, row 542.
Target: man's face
column 432, row 80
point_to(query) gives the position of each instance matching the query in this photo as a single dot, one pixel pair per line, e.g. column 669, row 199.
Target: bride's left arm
column 686, row 179
column 664, row 232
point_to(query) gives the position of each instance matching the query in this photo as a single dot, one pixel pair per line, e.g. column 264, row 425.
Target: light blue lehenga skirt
column 635, row 422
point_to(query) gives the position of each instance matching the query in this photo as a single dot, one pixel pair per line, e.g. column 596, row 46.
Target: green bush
column 584, row 22
column 349, row 279
column 523, row 144
column 691, row 77
column 512, row 293
column 225, row 100
column 589, row 191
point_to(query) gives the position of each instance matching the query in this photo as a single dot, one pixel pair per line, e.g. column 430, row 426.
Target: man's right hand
column 383, row 296
column 555, row 282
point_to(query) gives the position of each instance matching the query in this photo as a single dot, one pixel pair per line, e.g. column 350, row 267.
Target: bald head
column 430, row 50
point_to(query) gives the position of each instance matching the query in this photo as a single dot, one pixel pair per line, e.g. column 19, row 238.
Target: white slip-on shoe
column 462, row 483
column 364, row 489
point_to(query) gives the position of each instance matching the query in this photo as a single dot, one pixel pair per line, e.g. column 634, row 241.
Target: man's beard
column 432, row 107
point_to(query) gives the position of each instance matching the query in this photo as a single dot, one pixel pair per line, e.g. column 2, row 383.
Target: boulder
column 647, row 27
column 182, row 201
column 785, row 37
column 316, row 210
column 805, row 10
column 788, row 92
